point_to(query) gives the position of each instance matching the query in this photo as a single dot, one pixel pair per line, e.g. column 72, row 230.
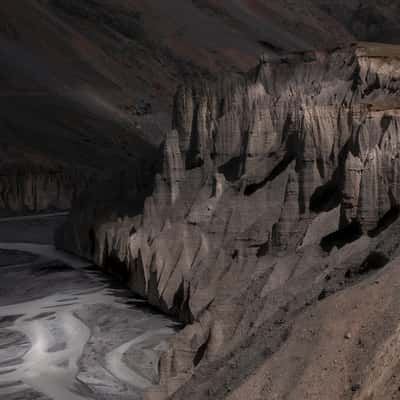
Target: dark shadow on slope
column 325, row 197
column 341, row 237
column 200, row 352
column 231, row 169
column 271, row 47
column 179, row 298
column 374, row 261
column 116, row 267
column 279, row 168
column 391, row 216
column 329, row 195
column 339, row 279
column 376, row 85
column 262, row 249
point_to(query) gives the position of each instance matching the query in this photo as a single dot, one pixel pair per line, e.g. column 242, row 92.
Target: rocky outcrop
column 41, row 190
column 258, row 172
column 309, row 109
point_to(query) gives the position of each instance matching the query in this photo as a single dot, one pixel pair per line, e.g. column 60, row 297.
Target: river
column 67, row 330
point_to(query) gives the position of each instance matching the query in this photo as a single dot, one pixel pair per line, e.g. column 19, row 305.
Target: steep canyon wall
column 274, row 194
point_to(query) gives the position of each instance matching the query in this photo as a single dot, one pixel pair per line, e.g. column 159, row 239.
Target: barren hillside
column 88, row 84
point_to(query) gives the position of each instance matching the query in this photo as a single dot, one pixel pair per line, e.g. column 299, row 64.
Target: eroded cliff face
column 41, row 190
column 332, row 117
column 274, row 192
column 32, row 182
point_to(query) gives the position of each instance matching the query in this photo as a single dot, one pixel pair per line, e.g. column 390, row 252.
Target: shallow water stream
column 68, row 331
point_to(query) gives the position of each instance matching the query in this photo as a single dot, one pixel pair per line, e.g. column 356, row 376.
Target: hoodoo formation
column 270, row 230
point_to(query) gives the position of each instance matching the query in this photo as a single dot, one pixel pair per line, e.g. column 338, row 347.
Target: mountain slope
column 83, row 89
column 88, row 84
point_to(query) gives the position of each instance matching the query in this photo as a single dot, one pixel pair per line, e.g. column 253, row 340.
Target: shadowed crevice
column 200, row 352
column 391, row 216
column 280, row 167
column 341, row 237
column 231, row 169
column 325, row 197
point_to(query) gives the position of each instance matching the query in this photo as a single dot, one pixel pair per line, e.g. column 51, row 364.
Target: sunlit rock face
column 331, row 116
column 258, row 169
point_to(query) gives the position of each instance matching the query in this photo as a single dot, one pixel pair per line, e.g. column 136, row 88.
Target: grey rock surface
column 272, row 193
